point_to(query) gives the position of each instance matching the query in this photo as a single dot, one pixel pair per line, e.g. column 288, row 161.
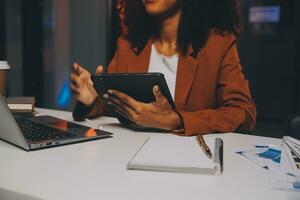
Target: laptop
column 43, row 131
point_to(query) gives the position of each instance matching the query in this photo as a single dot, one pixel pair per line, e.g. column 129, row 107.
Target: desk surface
column 97, row 170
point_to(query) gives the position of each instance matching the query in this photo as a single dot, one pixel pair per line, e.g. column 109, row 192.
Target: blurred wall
column 269, row 53
column 76, row 31
column 14, row 46
column 3, row 32
column 73, row 31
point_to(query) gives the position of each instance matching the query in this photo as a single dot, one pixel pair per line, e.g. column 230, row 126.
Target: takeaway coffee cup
column 4, row 68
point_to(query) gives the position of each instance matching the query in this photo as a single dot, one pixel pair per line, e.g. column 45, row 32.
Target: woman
column 193, row 42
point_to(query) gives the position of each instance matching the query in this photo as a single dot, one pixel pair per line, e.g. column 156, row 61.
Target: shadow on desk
column 136, row 128
column 10, row 195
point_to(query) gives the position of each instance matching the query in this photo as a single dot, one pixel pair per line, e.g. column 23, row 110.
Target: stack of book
column 21, row 105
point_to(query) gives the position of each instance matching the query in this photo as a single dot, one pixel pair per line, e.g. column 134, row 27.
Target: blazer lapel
column 187, row 68
column 140, row 63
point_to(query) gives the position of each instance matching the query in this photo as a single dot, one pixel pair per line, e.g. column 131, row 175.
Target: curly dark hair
column 198, row 18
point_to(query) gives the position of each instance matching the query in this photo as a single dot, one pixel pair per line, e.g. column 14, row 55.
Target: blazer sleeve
column 235, row 111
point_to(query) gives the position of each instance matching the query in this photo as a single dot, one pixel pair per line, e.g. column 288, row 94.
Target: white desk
column 97, row 170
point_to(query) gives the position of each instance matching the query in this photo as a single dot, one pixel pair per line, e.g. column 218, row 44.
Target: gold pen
column 203, row 145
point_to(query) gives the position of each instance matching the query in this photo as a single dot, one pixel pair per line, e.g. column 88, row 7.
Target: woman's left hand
column 158, row 114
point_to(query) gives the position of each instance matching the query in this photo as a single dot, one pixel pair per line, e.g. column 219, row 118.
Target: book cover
column 20, row 104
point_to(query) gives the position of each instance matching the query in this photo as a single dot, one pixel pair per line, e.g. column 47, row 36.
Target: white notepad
column 178, row 154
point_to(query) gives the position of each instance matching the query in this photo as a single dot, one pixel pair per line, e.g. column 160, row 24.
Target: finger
column 79, row 70
column 74, row 89
column 73, row 77
column 99, row 69
column 90, row 82
column 122, row 104
column 75, row 80
column 76, row 68
column 119, row 103
column 159, row 97
column 118, row 109
column 91, row 88
column 124, row 115
column 132, row 103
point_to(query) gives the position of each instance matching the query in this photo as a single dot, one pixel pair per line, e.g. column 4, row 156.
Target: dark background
column 2, row 30
column 270, row 57
column 269, row 54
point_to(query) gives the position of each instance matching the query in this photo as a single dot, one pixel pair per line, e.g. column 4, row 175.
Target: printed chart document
column 178, row 154
column 281, row 163
column 287, row 175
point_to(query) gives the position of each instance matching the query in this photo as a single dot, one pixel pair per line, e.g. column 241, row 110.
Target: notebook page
column 174, row 151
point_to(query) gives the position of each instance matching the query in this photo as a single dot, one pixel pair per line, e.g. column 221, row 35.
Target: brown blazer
column 212, row 94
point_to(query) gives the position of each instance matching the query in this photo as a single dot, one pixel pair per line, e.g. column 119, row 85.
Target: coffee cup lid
column 4, row 65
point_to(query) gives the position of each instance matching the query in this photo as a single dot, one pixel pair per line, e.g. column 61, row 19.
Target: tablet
column 137, row 85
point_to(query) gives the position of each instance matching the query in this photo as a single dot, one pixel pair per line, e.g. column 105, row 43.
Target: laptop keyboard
column 39, row 132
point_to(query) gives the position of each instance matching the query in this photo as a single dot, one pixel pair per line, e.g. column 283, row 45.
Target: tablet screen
column 137, row 85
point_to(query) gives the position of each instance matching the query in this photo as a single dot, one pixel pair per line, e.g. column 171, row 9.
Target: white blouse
column 166, row 65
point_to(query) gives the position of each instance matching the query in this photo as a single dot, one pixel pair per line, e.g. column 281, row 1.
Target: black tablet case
column 137, row 85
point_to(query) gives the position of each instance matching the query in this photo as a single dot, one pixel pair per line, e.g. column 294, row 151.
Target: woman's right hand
column 81, row 84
